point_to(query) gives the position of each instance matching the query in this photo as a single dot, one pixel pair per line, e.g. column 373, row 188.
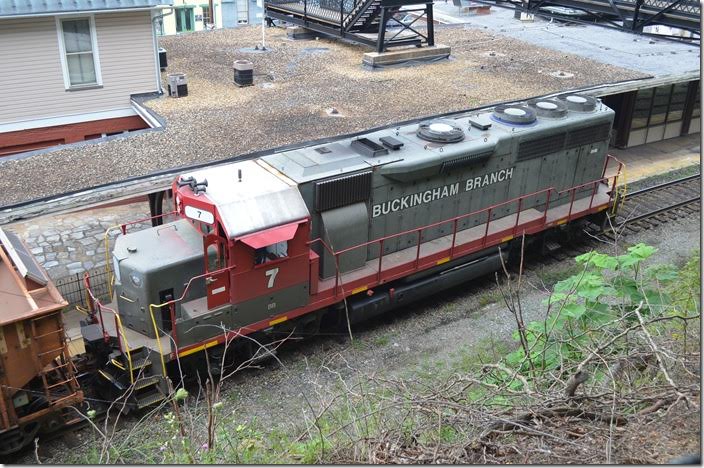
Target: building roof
column 17, row 8
column 297, row 82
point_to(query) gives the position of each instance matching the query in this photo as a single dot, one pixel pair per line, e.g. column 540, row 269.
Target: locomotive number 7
column 272, row 276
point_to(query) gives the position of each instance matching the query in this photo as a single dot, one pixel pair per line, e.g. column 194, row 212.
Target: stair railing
column 171, row 304
column 119, row 330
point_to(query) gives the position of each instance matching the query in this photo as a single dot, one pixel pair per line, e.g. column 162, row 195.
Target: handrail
column 158, row 340
column 123, row 228
column 172, row 302
column 121, row 330
column 455, row 220
column 118, row 325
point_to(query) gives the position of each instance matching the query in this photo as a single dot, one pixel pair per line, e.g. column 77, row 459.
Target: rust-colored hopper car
column 37, row 376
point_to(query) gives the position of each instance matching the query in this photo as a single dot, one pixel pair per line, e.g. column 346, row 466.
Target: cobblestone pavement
column 73, row 243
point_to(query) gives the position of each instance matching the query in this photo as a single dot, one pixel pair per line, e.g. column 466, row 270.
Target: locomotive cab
column 255, row 229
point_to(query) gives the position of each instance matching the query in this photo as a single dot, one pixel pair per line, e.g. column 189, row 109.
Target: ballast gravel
column 296, row 83
column 406, row 341
column 403, row 343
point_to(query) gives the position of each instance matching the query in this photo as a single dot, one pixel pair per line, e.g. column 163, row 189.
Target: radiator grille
column 588, row 135
column 465, row 161
column 343, row 191
column 541, row 146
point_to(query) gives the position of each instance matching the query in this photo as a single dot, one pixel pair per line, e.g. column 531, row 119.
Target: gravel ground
column 432, row 331
column 295, row 82
column 405, row 343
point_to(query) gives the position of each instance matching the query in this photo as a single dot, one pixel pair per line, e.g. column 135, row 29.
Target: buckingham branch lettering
column 437, row 193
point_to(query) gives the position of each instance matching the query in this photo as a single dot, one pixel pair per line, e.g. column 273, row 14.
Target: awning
column 272, row 235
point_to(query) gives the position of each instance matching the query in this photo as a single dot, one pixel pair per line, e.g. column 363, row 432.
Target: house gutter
column 78, row 12
column 155, row 41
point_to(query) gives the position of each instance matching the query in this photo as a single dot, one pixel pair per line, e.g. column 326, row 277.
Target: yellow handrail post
column 158, row 338
column 127, row 346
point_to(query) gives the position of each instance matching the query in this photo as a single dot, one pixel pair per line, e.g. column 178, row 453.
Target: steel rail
column 663, row 187
column 655, row 188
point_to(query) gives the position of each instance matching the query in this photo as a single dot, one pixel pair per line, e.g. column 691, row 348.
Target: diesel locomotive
column 338, row 231
column 270, row 245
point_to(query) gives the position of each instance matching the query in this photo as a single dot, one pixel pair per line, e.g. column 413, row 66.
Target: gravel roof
column 295, row 83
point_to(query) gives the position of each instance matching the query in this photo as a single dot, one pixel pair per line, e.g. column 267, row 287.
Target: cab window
column 271, row 252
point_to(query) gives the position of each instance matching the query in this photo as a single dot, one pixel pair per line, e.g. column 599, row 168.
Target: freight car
column 37, row 377
column 349, row 228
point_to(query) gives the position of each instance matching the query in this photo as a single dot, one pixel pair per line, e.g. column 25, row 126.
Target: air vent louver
column 548, row 108
column 541, row 146
column 464, row 161
column 588, row 135
column 579, row 102
column 343, row 191
column 440, row 131
column 514, row 114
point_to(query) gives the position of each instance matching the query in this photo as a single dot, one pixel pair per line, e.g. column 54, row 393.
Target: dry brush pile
column 611, row 375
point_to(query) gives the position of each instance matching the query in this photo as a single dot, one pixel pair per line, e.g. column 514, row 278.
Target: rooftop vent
column 178, row 85
column 579, row 102
column 440, row 131
column 549, row 108
column 514, row 114
column 244, row 73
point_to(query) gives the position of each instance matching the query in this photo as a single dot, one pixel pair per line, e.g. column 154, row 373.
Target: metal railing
column 72, row 287
column 122, row 342
column 340, row 12
column 486, row 240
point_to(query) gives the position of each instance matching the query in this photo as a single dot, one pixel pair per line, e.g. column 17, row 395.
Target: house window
column 184, row 19
column 207, row 17
column 79, row 52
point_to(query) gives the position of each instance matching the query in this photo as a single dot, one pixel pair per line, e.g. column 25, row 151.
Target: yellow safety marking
column 278, row 320
column 198, row 348
column 562, row 221
column 359, row 289
column 602, row 208
column 117, row 364
column 442, row 260
column 507, row 238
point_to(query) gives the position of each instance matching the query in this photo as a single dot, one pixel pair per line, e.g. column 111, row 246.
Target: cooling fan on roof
column 440, row 131
column 549, row 108
column 578, row 102
column 514, row 114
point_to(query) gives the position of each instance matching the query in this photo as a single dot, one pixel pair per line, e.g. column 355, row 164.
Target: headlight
column 136, row 280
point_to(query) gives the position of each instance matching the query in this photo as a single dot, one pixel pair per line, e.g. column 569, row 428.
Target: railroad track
column 659, row 204
column 641, row 210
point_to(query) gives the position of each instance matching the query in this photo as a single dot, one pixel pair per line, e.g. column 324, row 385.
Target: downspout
column 156, row 47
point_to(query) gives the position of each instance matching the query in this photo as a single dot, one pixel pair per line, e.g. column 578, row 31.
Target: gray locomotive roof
column 416, row 155
column 156, row 248
column 14, row 8
column 257, row 201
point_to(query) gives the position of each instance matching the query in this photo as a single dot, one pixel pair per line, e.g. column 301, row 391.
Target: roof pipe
column 155, row 41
